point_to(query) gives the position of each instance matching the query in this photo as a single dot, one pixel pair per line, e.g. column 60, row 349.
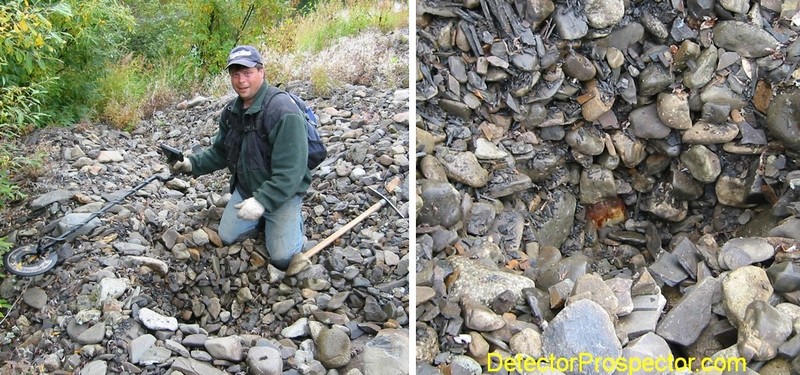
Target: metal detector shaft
column 40, row 247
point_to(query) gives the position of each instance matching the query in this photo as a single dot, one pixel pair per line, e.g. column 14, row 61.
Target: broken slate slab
column 684, row 323
column 46, row 199
column 688, row 257
column 668, row 269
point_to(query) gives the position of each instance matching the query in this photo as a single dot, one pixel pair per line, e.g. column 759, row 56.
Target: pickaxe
column 301, row 261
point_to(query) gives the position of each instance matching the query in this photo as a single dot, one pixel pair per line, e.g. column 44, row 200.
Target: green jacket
column 271, row 179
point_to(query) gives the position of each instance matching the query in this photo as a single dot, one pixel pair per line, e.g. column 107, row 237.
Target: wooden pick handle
column 318, row 247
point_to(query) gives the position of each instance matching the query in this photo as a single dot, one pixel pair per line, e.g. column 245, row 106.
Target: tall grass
column 336, row 19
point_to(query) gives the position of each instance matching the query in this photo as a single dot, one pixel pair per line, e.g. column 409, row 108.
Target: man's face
column 246, row 81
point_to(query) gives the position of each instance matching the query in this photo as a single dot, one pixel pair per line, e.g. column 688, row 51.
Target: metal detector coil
column 33, row 260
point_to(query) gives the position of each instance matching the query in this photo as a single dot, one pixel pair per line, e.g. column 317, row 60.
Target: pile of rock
column 617, row 178
column 149, row 287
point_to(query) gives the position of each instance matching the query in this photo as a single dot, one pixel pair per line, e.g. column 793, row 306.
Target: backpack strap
column 271, row 93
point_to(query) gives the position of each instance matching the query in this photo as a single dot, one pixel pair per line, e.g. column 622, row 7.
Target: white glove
column 249, row 209
column 184, row 166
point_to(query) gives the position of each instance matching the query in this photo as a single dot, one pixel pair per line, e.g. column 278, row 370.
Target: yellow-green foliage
column 333, row 19
column 321, row 81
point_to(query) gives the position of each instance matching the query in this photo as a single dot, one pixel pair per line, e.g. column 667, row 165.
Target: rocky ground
column 152, row 290
column 608, row 177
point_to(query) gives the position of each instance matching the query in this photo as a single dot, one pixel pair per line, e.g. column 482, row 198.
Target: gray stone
column 783, row 118
column 603, row 13
column 94, row 335
column 570, row 24
column 176, row 347
column 441, row 204
column 227, row 348
column 746, row 39
column 97, row 367
column 631, row 150
column 387, row 353
column 667, row 269
column 333, row 348
column 581, row 327
column 587, row 140
column 785, row 276
column 189, row 366
column 35, row 297
column 740, row 252
column 703, row 164
column 639, row 323
column 139, row 346
column 485, row 149
column 684, row 323
column 571, row 267
column 554, row 225
column 127, row 248
column 707, row 133
column 592, row 287
column 622, row 290
column 483, row 284
column 654, row 79
column 741, row 287
column 673, row 110
column 762, row 331
column 156, row 321
column 597, row 185
column 264, row 360
column 706, row 65
column 47, row 199
column 647, row 124
column 155, row 356
column 464, row 167
column 111, row 288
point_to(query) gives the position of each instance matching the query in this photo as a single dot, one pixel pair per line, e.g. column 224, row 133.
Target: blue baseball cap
column 244, row 55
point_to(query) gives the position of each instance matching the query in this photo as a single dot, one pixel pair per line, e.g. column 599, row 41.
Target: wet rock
column 586, row 140
column 703, row 164
column 441, row 204
column 707, row 133
column 673, row 110
column 597, row 185
column 554, row 225
column 570, row 24
column 783, row 118
column 706, row 65
column 654, row 79
column 647, row 124
column 746, row 39
column 581, row 327
column 662, row 202
column 578, row 66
